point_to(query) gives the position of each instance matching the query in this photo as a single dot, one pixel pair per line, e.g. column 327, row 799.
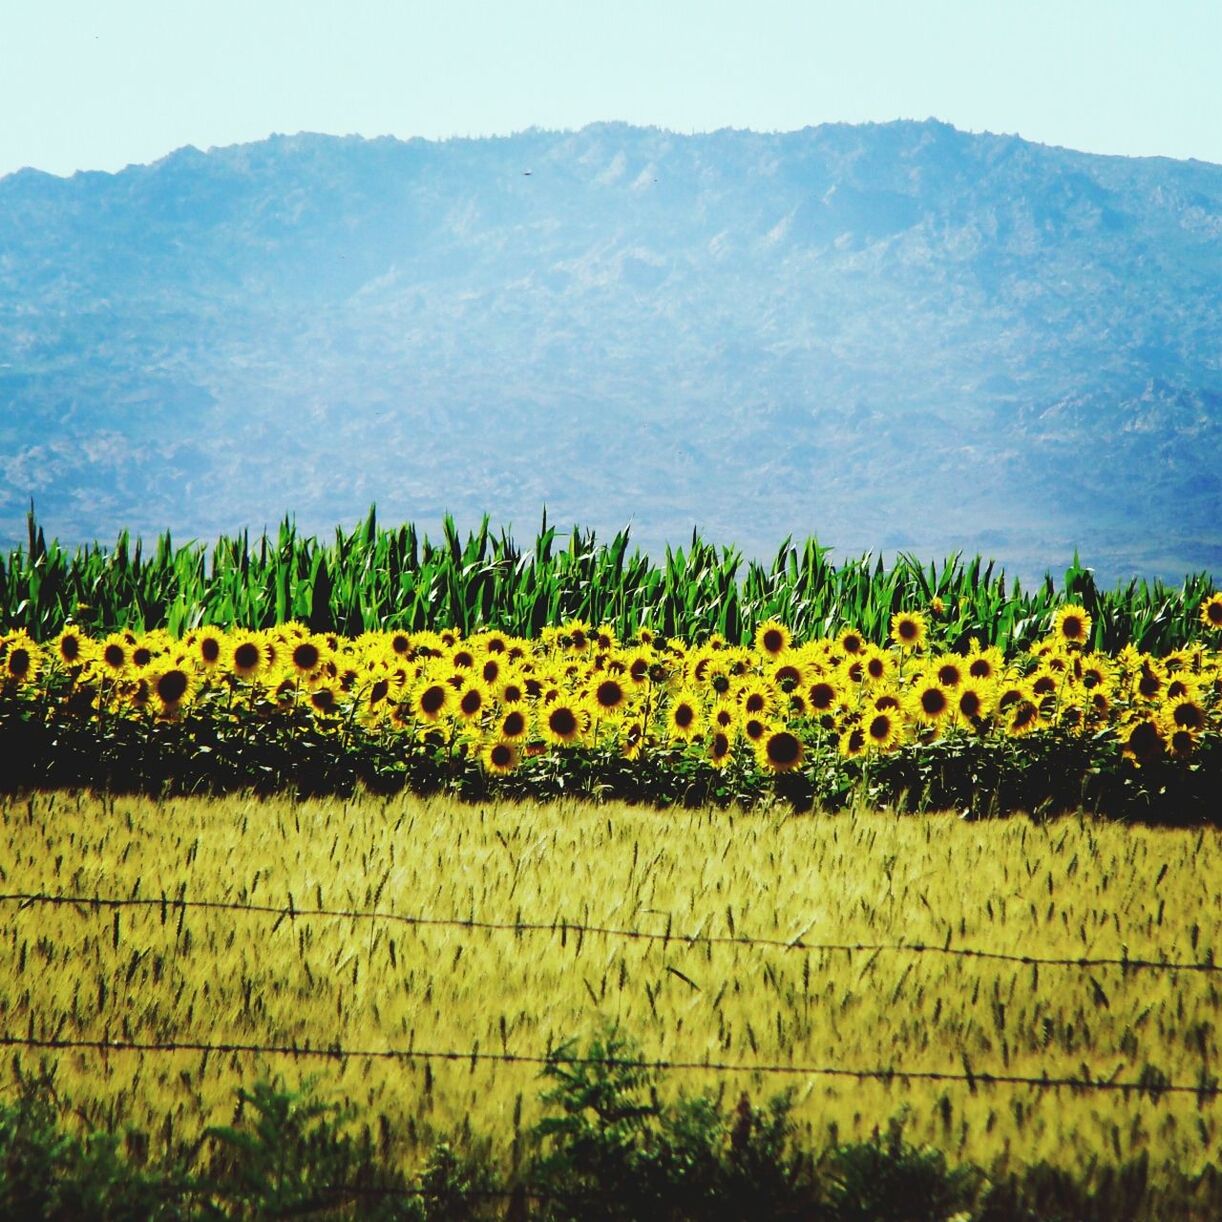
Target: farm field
column 425, row 945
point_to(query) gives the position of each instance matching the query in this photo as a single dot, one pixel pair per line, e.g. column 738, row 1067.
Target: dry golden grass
column 1068, row 888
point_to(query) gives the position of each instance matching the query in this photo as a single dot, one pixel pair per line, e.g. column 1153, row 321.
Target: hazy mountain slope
column 891, row 336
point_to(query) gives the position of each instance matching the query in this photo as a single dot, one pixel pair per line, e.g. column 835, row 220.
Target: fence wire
column 566, row 928
column 1206, row 1088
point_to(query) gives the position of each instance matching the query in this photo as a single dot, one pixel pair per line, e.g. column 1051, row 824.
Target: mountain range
column 891, row 336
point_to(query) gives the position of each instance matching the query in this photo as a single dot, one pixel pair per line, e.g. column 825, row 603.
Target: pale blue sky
column 99, row 85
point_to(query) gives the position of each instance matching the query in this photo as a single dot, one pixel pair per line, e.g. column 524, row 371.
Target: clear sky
column 101, row 84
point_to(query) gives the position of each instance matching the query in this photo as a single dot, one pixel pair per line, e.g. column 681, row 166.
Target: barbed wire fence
column 564, row 928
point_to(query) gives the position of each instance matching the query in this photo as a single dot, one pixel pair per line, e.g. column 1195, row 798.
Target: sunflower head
column 501, row 758
column 779, row 751
column 1211, row 612
column 720, row 747
column 1071, row 625
column 21, row 658
column 908, row 629
column 772, row 638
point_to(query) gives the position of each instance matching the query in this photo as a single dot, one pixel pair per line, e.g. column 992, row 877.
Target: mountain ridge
column 893, row 335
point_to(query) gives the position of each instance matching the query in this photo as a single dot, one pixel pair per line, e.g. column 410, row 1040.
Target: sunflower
column 757, row 699
column 882, row 730
column 512, row 689
column 305, row 657
column 772, row 638
column 114, row 654
column 324, row 700
column 379, row 691
column 562, row 723
column 513, row 724
column 1022, row 717
column 779, row 751
column 430, row 701
column 22, row 658
column 632, row 740
column 755, row 729
column 501, row 758
column 1211, row 612
column 472, row 701
column 71, row 646
column 724, row 716
column 822, row 697
column 1148, row 683
column 970, row 703
column 851, row 642
column 984, row 664
column 949, row 672
column 206, row 645
column 931, row 703
column 609, row 697
column 1143, row 742
column 720, row 746
column 1187, row 714
column 877, row 665
column 853, row 742
column 908, row 629
column 1181, row 744
column 246, row 657
column 172, row 688
column 683, row 716
column 1071, row 625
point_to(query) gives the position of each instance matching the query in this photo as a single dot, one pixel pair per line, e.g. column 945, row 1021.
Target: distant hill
column 894, row 336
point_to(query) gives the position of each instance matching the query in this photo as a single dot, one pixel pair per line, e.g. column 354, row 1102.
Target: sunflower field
column 576, row 709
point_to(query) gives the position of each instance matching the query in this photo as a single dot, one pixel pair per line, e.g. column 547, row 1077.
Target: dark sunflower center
column 210, row 649
column 563, row 721
column 774, row 641
column 822, row 695
column 19, row 662
column 171, row 687
column 305, row 656
column 432, row 698
column 471, row 701
column 514, row 723
column 684, row 716
column 933, row 701
column 784, row 748
column 880, row 727
column 609, row 694
column 246, row 656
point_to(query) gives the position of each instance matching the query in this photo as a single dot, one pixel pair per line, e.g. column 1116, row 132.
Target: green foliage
column 607, row 1148
column 292, row 1156
column 376, row 577
column 50, row 1174
column 611, row 1150
column 886, row 1178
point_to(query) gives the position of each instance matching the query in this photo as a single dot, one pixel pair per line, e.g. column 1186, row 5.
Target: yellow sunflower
column 1211, row 612
column 501, row 758
column 908, row 629
column 772, row 638
column 22, row 658
column 1071, row 625
column 683, row 718
column 562, row 722
column 779, row 751
column 720, row 748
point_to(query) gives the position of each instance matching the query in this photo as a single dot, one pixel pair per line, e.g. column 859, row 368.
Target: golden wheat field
column 745, row 905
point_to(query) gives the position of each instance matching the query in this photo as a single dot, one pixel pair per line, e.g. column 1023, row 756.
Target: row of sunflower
column 503, row 700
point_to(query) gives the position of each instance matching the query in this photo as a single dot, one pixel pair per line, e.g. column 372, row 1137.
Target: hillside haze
column 894, row 336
